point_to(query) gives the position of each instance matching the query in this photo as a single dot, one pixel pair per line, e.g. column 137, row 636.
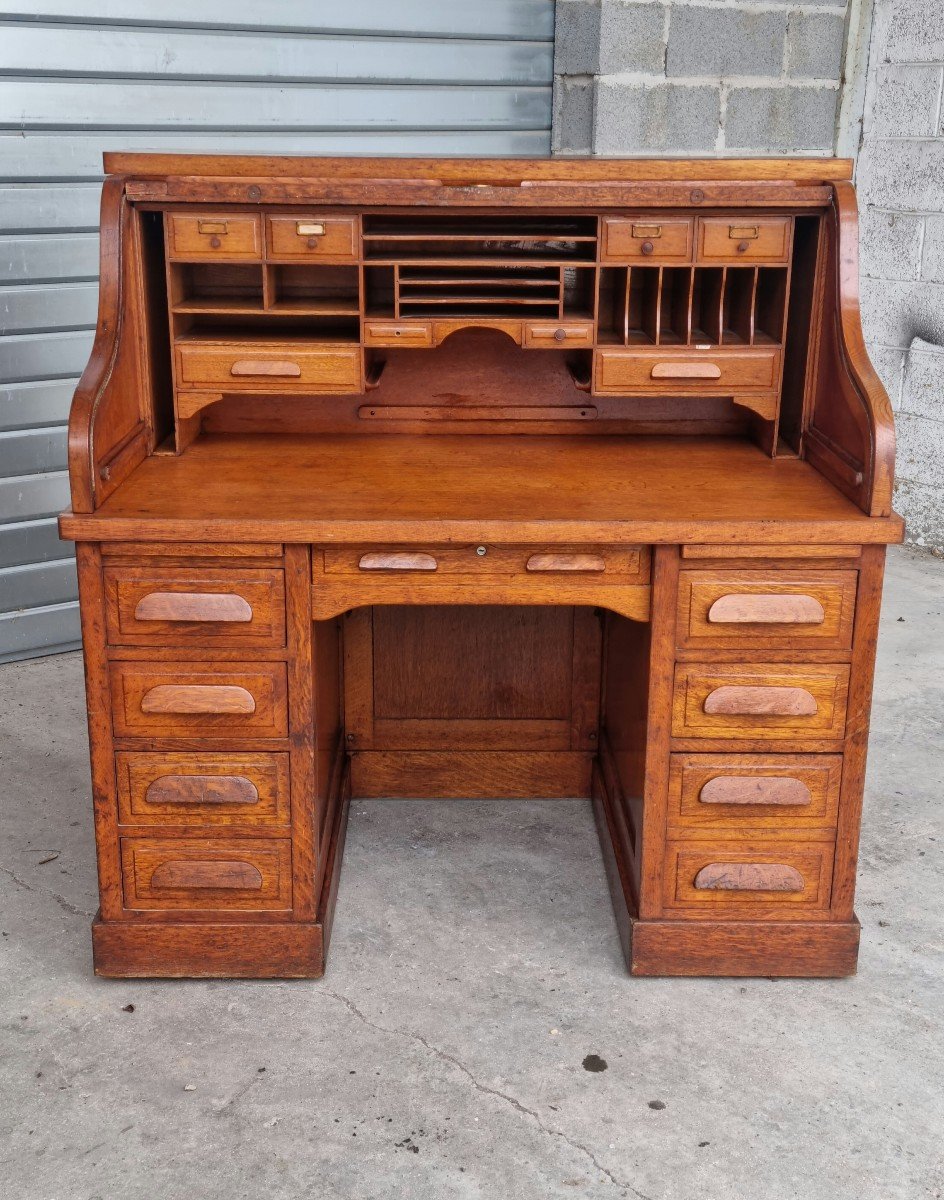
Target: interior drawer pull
column 647, row 231
column 202, row 789
column 379, row 560
column 192, row 606
column 197, row 698
column 251, row 366
column 763, row 609
column 781, row 790
column 740, row 700
column 749, row 877
column 566, row 562
column 218, row 228
column 743, row 233
column 685, row 370
column 193, row 873
column 310, row 228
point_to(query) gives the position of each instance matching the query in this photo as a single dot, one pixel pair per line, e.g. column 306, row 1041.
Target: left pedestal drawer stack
column 192, row 743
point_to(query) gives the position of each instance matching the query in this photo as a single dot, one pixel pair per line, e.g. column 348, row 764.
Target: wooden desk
column 479, row 479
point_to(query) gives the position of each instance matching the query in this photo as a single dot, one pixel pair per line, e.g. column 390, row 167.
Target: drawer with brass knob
column 738, row 239
column 227, row 237
column 646, row 238
column 303, row 237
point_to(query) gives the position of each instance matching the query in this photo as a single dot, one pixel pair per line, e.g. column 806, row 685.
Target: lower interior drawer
column 673, row 372
column 722, row 879
column 170, row 873
column 268, row 366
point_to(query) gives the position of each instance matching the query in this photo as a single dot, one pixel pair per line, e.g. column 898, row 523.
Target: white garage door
column 82, row 76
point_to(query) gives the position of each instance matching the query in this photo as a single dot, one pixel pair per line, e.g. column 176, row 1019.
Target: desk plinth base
column 231, row 950
column 794, row 949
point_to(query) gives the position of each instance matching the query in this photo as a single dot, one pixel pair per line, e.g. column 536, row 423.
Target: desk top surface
column 344, row 488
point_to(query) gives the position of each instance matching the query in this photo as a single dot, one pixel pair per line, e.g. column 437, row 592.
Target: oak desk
column 478, row 478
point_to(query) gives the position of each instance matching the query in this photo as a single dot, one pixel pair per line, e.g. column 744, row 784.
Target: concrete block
column 890, row 244
column 907, row 175
column 923, row 390
column 889, row 362
column 632, row 37
column 576, row 37
column 573, row 115
column 919, row 454
column 725, row 41
column 906, row 101
column 922, row 506
column 667, row 118
column 915, row 31
column 895, row 313
column 814, row 44
column 781, row 119
column 932, row 267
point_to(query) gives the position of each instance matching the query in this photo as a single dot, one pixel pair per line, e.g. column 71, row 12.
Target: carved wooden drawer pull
column 752, row 789
column 249, row 366
column 197, row 698
column 749, row 877
column 397, row 561
column 733, row 700
column 202, row 789
column 192, row 606
column 184, row 873
column 686, row 370
column 763, row 609
column 566, row 562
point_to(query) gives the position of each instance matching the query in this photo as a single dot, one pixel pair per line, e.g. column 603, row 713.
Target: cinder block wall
column 697, row 76
column 901, row 194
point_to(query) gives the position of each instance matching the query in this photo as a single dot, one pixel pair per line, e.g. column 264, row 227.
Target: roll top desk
column 453, row 478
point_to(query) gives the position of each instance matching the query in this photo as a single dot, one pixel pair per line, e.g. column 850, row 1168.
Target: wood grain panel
column 720, row 609
column 696, row 872
column 471, row 774
column 205, row 874
column 826, row 685
column 199, row 789
column 136, row 618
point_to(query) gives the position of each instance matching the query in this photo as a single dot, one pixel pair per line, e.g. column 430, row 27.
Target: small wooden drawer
column 683, row 371
column 630, row 564
column 556, row 335
column 770, row 702
column 300, row 237
column 646, row 238
column 145, row 606
column 728, row 793
column 268, row 367
column 207, row 874
column 203, row 789
column 747, row 239
column 719, row 879
column 398, row 333
column 783, row 609
column 224, row 236
column 188, row 699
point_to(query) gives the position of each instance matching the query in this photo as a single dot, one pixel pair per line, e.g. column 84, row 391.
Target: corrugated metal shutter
column 81, row 76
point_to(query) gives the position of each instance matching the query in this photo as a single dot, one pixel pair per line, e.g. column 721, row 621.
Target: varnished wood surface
column 349, row 488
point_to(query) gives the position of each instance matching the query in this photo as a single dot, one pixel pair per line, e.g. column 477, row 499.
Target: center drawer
column 628, row 564
column 190, row 699
column 268, row 366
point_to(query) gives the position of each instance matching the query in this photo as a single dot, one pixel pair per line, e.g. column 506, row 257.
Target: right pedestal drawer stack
column 769, row 716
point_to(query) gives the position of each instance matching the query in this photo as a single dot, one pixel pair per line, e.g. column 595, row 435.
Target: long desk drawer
column 207, row 874
column 674, row 371
column 767, row 609
column 630, row 564
column 193, row 699
column 768, row 702
column 166, row 605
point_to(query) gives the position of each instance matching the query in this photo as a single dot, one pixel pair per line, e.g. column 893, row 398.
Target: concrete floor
column 474, row 966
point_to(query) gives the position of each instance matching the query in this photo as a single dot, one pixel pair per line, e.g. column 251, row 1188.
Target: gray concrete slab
column 474, row 967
